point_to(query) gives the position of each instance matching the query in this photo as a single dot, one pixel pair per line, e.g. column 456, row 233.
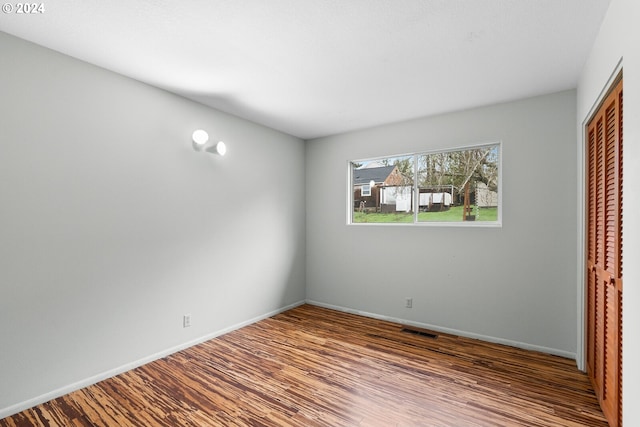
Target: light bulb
column 200, row 137
column 221, row 148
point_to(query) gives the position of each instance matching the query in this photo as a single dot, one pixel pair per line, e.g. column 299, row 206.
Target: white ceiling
column 312, row 68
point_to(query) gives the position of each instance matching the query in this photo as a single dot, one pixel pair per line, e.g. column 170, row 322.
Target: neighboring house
column 381, row 189
column 384, row 189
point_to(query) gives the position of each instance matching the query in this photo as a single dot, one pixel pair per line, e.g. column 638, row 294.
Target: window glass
column 459, row 186
column 454, row 186
column 383, row 190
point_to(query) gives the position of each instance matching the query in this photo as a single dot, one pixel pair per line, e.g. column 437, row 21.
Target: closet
column 604, row 253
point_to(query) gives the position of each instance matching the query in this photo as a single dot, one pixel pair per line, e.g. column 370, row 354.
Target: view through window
column 454, row 186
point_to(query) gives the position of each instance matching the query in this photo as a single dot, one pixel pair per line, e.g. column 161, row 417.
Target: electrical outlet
column 408, row 302
column 186, row 320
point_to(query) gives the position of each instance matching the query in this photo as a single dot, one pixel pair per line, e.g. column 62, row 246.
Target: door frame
column 581, row 348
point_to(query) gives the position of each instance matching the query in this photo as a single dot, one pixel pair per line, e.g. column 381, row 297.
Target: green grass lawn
column 454, row 214
column 382, row 217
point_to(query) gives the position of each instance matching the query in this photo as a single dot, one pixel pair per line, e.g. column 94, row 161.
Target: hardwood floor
column 316, row 367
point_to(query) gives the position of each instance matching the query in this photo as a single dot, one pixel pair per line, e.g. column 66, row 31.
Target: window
column 460, row 186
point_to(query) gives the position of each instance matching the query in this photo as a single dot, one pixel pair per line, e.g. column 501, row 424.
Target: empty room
column 320, row 213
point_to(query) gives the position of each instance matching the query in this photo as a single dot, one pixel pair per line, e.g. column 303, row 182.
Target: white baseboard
column 487, row 338
column 19, row 407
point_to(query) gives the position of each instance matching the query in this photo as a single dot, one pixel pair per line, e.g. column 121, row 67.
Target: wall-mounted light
column 200, row 140
column 200, row 137
column 220, row 148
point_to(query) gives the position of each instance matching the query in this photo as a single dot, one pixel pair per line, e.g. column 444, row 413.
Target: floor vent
column 419, row 332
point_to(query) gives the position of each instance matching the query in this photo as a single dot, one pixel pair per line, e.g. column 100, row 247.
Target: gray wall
column 618, row 43
column 514, row 284
column 112, row 227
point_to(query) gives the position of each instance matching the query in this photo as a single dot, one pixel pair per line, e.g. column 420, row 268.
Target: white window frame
column 416, row 194
column 368, row 193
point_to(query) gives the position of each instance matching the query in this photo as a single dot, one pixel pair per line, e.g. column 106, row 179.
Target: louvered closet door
column 604, row 254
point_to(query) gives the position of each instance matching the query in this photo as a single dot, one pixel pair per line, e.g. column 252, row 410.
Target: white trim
column 471, row 145
column 21, row 406
column 362, row 190
column 487, row 338
column 349, row 193
column 581, row 361
column 481, row 224
column 581, row 353
column 416, row 190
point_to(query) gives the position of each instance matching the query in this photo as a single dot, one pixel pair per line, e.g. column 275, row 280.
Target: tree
column 405, row 167
column 459, row 167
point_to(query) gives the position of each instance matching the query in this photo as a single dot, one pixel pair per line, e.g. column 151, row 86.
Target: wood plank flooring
column 316, row 367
